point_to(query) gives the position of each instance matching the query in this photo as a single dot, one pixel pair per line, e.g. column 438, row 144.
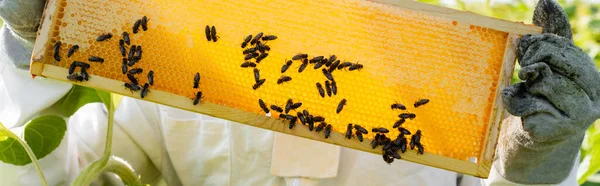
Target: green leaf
column 515, row 76
column 433, row 2
column 105, row 97
column 570, row 10
column 79, row 96
column 594, row 25
column 10, row 146
column 590, row 163
column 461, row 4
column 44, row 134
column 13, row 153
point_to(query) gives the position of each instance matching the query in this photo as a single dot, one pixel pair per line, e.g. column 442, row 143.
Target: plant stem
column 33, row 160
column 95, row 168
column 109, row 131
column 5, row 131
column 123, row 170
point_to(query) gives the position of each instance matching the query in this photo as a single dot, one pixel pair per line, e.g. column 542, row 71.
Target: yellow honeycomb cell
column 407, row 55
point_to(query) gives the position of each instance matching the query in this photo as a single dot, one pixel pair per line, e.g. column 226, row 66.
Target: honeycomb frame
column 488, row 36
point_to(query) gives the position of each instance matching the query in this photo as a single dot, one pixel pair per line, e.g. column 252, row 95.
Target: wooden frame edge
column 486, row 158
column 39, row 47
column 464, row 16
column 36, row 68
column 257, row 120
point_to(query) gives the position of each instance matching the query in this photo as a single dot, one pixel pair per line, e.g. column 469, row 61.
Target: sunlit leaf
column 13, row 153
column 433, row 2
column 594, row 25
column 104, row 97
column 570, row 10
column 591, row 161
column 44, row 134
column 79, row 96
column 515, row 77
column 594, row 9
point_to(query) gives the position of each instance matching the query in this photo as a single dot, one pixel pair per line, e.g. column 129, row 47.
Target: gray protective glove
column 557, row 102
column 21, row 19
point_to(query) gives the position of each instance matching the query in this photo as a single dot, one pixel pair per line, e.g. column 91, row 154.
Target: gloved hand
column 557, row 101
column 21, row 19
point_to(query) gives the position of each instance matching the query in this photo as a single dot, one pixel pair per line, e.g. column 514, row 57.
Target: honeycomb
column 407, row 55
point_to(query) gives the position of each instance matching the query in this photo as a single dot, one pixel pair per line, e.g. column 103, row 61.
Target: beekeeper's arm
column 557, row 101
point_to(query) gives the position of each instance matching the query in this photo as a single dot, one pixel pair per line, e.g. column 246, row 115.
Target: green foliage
column 43, row 134
column 590, row 156
column 79, row 96
column 12, row 152
column 515, row 77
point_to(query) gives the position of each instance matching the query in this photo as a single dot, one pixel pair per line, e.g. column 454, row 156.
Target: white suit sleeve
column 496, row 180
column 300, row 181
column 21, row 99
column 295, row 157
column 141, row 122
column 186, row 147
column 466, row 180
column 88, row 127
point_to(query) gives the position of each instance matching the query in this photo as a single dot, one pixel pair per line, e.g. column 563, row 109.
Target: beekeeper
column 558, row 100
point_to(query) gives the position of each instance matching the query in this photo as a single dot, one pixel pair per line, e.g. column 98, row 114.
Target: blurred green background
column 585, row 22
